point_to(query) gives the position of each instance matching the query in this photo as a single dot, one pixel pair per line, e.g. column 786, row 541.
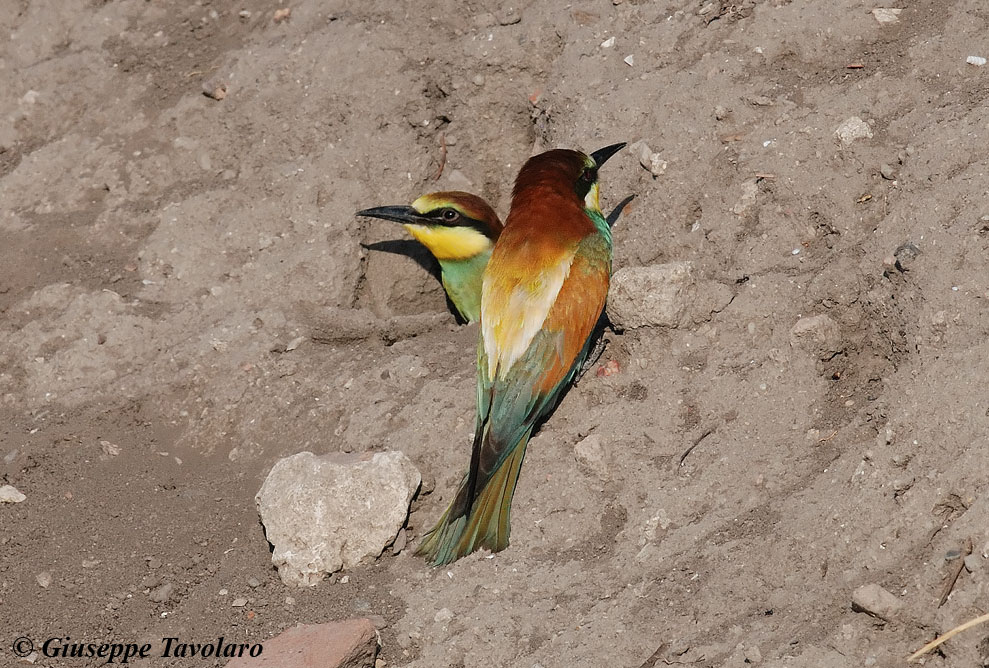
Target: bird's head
column 453, row 225
column 567, row 173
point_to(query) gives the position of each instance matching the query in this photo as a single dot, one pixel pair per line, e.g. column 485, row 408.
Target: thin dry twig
column 948, row 636
column 696, row 443
column 949, row 582
column 439, row 171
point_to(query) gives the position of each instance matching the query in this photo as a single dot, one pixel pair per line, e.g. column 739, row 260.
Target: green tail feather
column 486, row 526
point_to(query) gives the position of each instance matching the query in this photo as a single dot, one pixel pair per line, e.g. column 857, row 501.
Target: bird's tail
column 486, row 525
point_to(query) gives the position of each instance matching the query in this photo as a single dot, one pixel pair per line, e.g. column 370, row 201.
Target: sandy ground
column 186, row 297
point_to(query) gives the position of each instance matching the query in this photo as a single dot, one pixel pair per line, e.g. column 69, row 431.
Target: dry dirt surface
column 186, row 297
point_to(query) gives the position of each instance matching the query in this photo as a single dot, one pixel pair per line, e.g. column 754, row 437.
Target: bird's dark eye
column 450, row 215
column 589, row 176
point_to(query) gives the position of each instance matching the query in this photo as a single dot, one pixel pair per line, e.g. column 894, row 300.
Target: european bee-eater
column 459, row 229
column 542, row 294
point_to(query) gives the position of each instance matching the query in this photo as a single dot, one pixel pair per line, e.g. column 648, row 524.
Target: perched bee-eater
column 542, row 294
column 459, row 229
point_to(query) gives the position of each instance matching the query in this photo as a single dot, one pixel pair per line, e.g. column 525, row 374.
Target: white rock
column 818, row 335
column 44, row 579
column 978, row 61
column 443, row 615
column 648, row 158
column 326, row 513
column 591, row 456
column 750, row 190
column 608, row 43
column 653, row 296
column 630, row 60
column 109, row 449
column 163, row 593
column 853, row 128
column 9, row 494
column 973, row 562
column 876, row 601
column 886, row 14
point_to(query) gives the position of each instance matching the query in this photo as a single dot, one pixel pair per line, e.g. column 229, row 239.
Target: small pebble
column 443, row 616
column 10, row 494
column 253, row 583
column 295, row 343
column 289, row 600
column 44, row 579
column 876, row 601
column 629, row 60
column 648, row 158
column 905, row 254
column 978, row 61
column 901, row 485
column 509, row 18
column 608, row 43
column 162, row 593
column 952, row 554
column 345, row 579
column 973, row 562
column 238, row 602
column 887, row 172
column 109, row 449
column 478, row 79
column 886, row 14
column 590, row 456
column 853, row 128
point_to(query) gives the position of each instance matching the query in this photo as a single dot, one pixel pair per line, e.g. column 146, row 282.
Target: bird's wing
column 517, row 294
column 514, row 393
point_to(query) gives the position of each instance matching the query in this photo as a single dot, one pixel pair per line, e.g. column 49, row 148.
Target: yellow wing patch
column 450, row 243
column 513, row 310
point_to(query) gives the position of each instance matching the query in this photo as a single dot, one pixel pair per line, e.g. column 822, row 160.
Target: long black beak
column 602, row 154
column 398, row 214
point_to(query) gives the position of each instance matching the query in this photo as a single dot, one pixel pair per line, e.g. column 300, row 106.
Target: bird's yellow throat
column 450, row 243
column 591, row 199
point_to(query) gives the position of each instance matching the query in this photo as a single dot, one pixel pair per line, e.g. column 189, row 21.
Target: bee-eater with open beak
column 460, row 230
column 447, row 223
column 542, row 294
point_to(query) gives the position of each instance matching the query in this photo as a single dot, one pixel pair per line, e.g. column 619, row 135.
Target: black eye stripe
column 450, row 217
column 586, row 181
